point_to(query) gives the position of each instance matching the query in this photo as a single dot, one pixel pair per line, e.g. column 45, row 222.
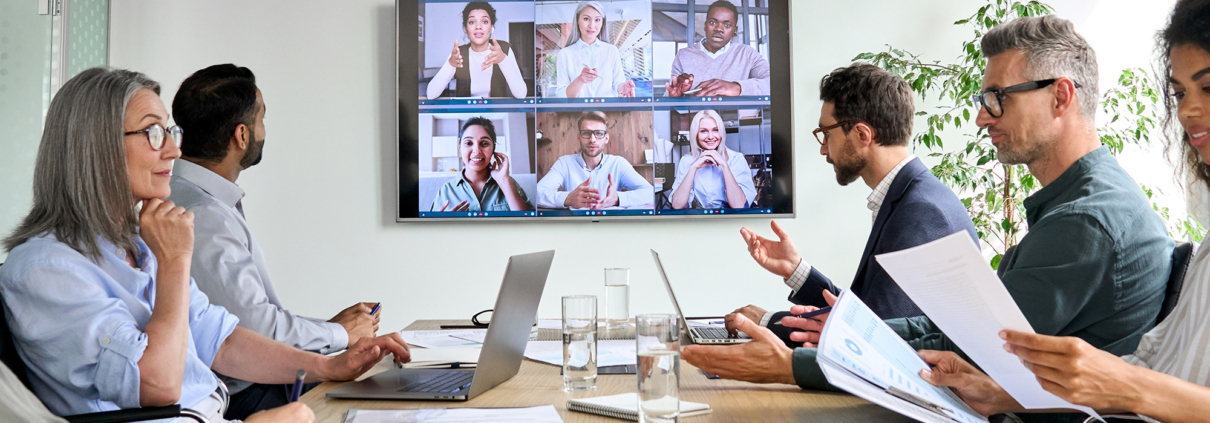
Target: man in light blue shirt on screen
column 593, row 179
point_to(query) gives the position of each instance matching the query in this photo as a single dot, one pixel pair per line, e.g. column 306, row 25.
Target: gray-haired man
column 1096, row 259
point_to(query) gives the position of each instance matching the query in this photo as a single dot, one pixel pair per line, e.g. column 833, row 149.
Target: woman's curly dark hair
column 1189, row 25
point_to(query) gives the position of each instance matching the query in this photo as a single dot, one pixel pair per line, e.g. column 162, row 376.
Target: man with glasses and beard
column 224, row 112
column 864, row 129
column 1096, row 259
column 719, row 67
column 592, row 179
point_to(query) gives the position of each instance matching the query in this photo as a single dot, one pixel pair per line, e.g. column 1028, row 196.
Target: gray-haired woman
column 98, row 293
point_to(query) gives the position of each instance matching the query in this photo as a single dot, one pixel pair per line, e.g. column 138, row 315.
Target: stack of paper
column 434, row 358
column 541, row 414
column 609, row 352
column 954, row 286
column 859, row 353
column 466, row 338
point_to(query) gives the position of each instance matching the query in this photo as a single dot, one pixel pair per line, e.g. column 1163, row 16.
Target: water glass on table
column 617, row 298
column 579, row 342
column 658, row 343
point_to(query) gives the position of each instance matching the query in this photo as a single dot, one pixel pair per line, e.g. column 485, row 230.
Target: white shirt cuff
column 764, row 321
column 799, row 277
column 340, row 337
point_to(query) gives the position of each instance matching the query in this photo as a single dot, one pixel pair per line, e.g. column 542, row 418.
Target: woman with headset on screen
column 713, row 176
column 589, row 66
column 483, row 67
column 484, row 184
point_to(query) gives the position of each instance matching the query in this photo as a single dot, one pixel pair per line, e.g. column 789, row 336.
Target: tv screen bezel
column 781, row 133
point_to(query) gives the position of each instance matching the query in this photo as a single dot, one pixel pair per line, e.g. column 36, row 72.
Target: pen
column 811, row 314
column 375, row 310
column 298, row 383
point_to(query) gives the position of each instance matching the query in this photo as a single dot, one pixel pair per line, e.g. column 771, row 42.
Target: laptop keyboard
column 447, row 382
column 710, row 332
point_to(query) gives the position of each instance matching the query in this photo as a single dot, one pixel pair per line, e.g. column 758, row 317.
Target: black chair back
column 8, row 350
column 1181, row 253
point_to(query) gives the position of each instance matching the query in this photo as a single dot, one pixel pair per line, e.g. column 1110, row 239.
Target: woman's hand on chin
column 167, row 229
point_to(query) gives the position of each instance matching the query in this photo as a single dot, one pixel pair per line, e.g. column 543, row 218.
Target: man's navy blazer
column 917, row 209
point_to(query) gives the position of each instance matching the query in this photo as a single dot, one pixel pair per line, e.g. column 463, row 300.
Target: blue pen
column 811, row 314
column 298, row 383
column 375, row 310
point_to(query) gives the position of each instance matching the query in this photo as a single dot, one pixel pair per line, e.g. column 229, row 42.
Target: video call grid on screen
column 545, row 130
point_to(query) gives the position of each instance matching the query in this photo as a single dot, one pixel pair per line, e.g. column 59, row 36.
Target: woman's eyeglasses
column 156, row 135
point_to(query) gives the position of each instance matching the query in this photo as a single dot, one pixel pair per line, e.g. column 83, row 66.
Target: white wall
column 321, row 202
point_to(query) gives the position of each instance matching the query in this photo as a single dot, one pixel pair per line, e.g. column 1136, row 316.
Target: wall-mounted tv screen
column 648, row 109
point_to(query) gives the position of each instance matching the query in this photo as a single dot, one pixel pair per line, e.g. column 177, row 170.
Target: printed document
column 859, row 353
column 953, row 284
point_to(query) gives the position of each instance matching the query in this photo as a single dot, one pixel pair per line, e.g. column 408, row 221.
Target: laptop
column 698, row 334
column 500, row 358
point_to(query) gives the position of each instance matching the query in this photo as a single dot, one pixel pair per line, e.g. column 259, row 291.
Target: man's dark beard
column 846, row 173
column 253, row 155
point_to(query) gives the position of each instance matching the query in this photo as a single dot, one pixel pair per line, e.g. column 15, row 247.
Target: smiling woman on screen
column 713, row 176
column 484, row 67
column 484, row 183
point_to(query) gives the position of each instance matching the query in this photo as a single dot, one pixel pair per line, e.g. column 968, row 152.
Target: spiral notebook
column 626, row 406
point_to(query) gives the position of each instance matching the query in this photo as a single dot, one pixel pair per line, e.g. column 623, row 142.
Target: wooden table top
column 541, row 384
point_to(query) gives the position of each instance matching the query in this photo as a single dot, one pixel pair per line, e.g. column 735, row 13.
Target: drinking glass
column 658, row 343
column 617, row 298
column 579, row 342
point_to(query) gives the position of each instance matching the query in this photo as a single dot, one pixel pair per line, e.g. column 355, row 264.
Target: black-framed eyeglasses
column 156, row 135
column 598, row 134
column 821, row 133
column 991, row 100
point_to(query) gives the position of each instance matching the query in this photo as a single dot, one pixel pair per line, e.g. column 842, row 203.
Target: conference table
column 541, row 384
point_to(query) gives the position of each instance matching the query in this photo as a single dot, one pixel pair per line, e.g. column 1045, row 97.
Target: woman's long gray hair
column 81, row 186
column 575, row 23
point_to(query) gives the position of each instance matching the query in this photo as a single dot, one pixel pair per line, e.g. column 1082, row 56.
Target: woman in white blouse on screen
column 589, row 66
column 484, row 67
column 713, row 175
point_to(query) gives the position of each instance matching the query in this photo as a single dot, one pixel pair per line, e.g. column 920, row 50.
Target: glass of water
column 658, row 342
column 579, row 342
column 617, row 298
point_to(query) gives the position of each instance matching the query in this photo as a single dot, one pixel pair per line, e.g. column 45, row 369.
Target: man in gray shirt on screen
column 715, row 66
column 223, row 112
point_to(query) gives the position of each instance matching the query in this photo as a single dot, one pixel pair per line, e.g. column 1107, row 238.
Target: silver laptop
column 699, row 334
column 516, row 306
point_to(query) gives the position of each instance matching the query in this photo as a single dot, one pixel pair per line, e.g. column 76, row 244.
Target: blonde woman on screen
column 483, row 67
column 589, row 66
column 712, row 176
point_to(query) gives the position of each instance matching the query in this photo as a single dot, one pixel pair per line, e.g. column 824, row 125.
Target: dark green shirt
column 1093, row 265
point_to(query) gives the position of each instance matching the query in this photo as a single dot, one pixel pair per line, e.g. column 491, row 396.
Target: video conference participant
column 724, row 69
column 1096, row 260
column 224, row 113
column 865, row 126
column 712, row 176
column 589, row 66
column 485, row 184
column 593, row 179
column 483, row 67
column 1164, row 379
column 99, row 299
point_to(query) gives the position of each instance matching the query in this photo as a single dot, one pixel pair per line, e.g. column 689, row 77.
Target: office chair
column 9, row 358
